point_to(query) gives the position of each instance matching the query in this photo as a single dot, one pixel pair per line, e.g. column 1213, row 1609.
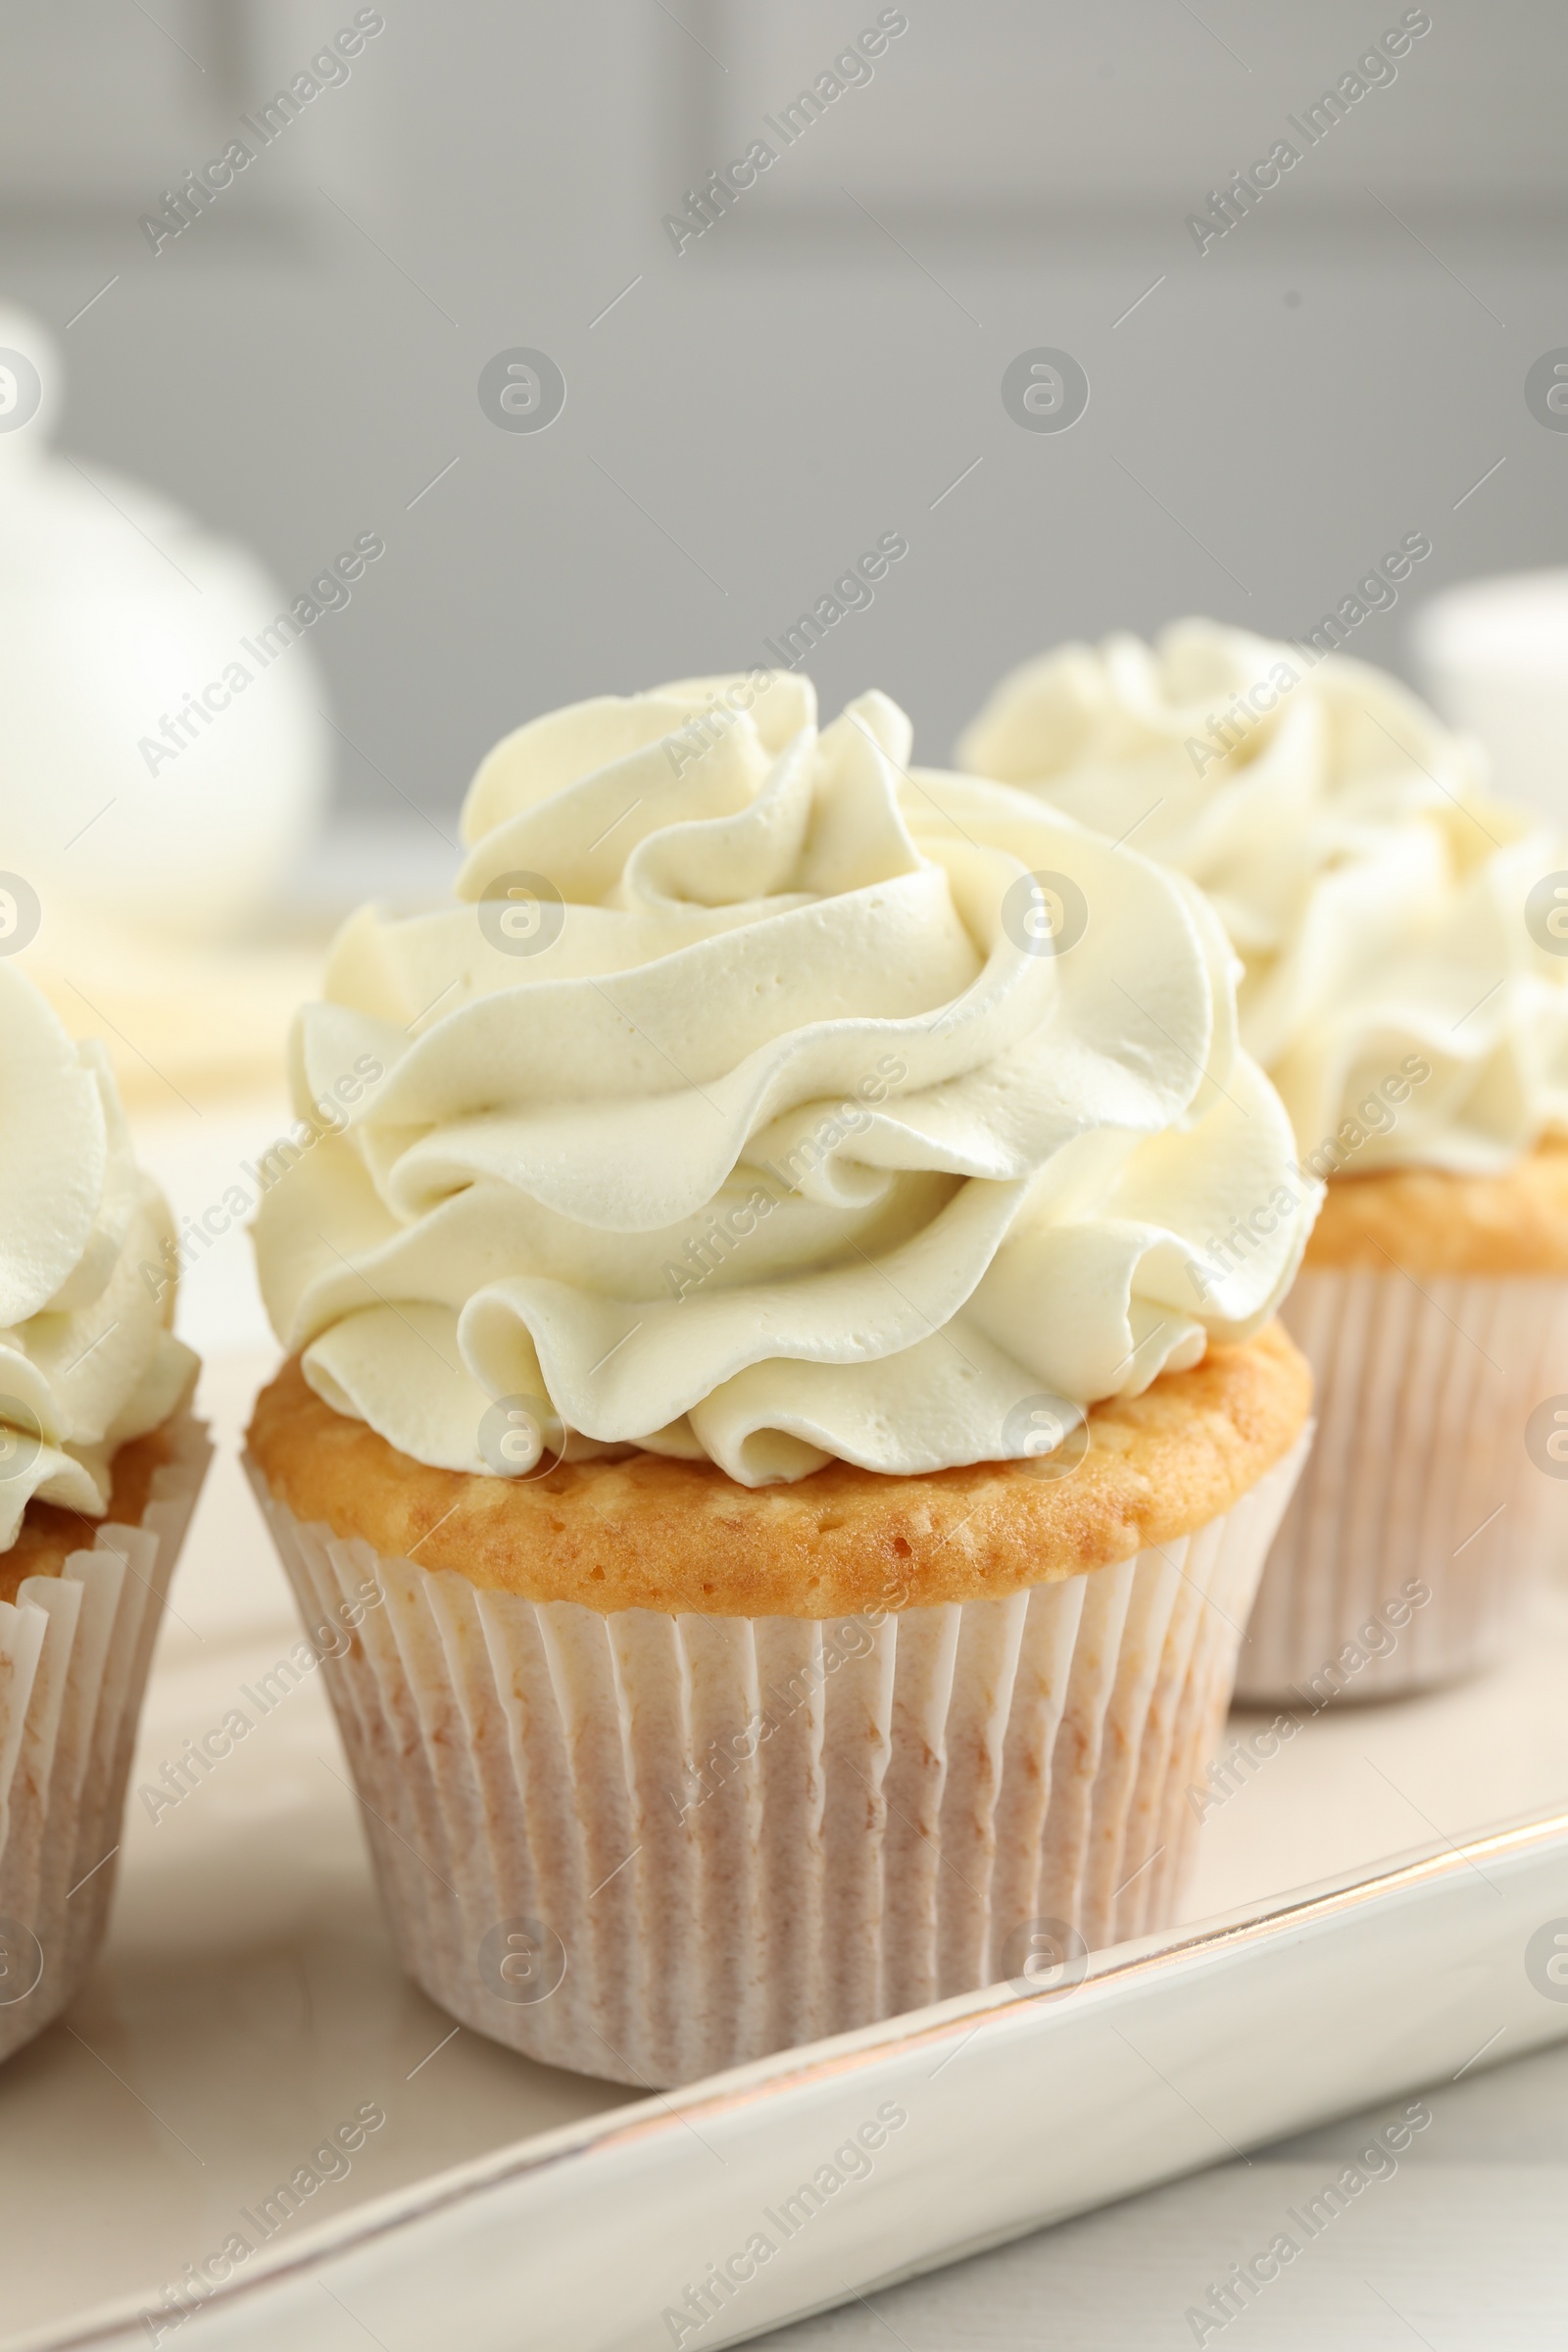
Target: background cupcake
column 745, row 1328
column 1406, row 989
column 100, row 1465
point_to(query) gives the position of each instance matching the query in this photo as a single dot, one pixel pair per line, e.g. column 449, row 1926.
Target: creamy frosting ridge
column 1391, row 918
column 86, row 1359
column 755, row 1104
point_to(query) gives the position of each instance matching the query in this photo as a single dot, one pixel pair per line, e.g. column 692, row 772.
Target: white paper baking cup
column 74, row 1649
column 650, row 1846
column 1421, row 1477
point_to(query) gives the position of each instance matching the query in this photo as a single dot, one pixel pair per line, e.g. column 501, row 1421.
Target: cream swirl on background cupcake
column 86, row 1362
column 1376, row 894
column 741, row 1112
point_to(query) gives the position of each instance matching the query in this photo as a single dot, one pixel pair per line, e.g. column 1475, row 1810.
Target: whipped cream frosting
column 86, row 1358
column 753, row 1104
column 1377, row 896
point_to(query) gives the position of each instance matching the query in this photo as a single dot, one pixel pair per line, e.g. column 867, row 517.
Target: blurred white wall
column 814, row 370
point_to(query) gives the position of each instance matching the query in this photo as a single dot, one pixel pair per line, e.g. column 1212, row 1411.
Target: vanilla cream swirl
column 86, row 1359
column 1380, row 901
column 737, row 1113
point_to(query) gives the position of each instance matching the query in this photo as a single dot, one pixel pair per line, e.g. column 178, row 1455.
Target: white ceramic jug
column 154, row 774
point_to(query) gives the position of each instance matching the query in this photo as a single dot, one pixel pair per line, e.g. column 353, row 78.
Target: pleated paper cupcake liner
column 1422, row 1525
column 648, row 1847
column 74, row 1649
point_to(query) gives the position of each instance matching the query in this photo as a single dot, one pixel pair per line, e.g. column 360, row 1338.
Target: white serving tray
column 996, row 2115
column 249, row 2004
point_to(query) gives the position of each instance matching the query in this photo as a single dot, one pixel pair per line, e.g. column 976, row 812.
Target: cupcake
column 740, row 1340
column 1403, row 946
column 100, row 1465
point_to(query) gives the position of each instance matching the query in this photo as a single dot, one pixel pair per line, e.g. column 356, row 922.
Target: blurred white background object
column 1492, row 655
column 162, row 765
column 1268, row 417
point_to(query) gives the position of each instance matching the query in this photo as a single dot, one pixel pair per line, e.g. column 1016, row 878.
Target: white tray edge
column 1322, row 2004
